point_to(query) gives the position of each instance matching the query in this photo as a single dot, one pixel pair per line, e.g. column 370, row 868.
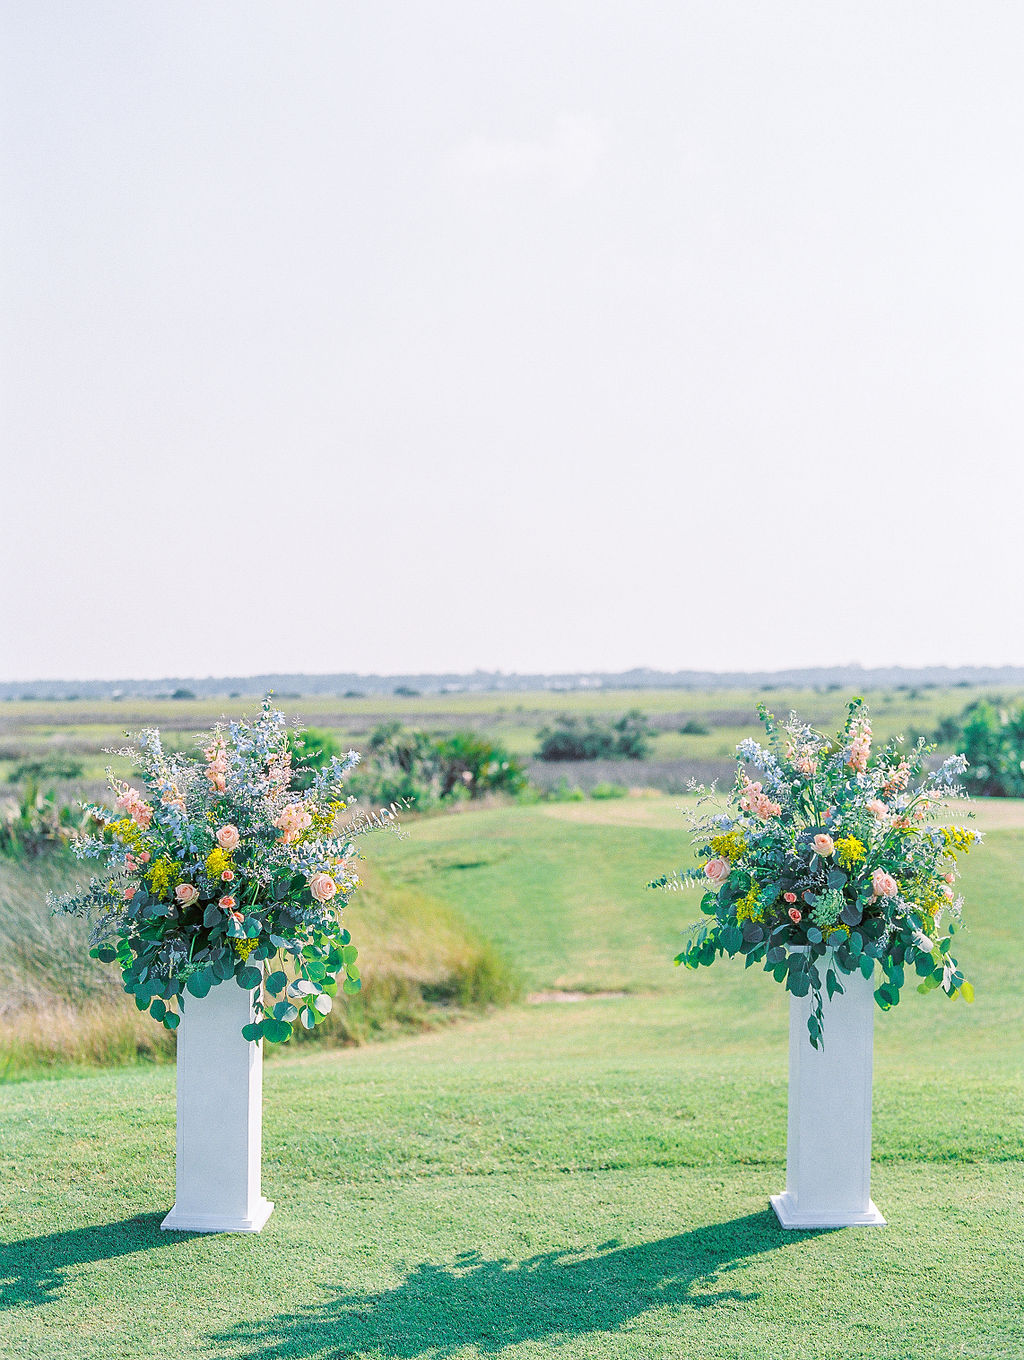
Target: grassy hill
column 562, row 1179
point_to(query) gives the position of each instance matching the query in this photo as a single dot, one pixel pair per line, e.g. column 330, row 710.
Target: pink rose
column 877, row 807
column 228, row 903
column 789, row 897
column 228, row 838
column 144, row 858
column 823, row 845
column 795, row 916
column 186, row 893
column 227, row 876
column 883, row 884
column 950, row 878
column 142, row 815
column 717, row 870
column 323, row 887
column 129, row 893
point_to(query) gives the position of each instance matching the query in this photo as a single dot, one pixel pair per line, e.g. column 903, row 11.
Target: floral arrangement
column 218, row 869
column 828, row 862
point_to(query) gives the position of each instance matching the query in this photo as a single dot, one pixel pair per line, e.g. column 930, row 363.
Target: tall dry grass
column 421, row 966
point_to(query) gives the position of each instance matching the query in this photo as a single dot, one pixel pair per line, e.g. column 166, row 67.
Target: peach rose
column 129, row 893
column 186, row 893
column 323, row 887
column 789, row 897
column 824, row 845
column 877, row 807
column 228, row 838
column 142, row 815
column 883, row 884
column 227, row 876
column 717, row 870
column 144, row 858
column 795, row 916
column 227, row 903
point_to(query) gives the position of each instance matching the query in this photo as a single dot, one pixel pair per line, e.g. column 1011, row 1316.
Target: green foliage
column 410, row 766
column 52, row 765
column 311, row 751
column 991, row 736
column 38, row 822
column 693, row 727
column 608, row 790
column 574, row 738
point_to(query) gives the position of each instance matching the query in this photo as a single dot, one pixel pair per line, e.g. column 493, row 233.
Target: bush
column 607, row 790
column 991, row 736
column 36, row 822
column 311, row 751
column 403, row 764
column 693, row 727
column 570, row 738
column 47, row 767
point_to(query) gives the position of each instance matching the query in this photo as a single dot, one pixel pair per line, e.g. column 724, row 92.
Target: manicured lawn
column 554, row 1180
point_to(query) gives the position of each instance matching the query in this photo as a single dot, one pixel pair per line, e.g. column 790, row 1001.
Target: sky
column 409, row 337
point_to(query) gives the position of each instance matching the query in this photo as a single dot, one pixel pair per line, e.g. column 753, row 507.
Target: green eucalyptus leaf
column 199, row 984
column 276, row 1031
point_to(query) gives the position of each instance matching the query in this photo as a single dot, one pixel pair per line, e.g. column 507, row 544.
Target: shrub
column 52, row 766
column 311, row 751
column 693, row 727
column 36, row 822
column 607, row 790
column 571, row 738
column 408, row 765
column 991, row 736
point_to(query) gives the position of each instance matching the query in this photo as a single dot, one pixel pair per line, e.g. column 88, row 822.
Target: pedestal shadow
column 438, row 1309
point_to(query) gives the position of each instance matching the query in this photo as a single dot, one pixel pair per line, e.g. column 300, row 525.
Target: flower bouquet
column 828, row 862
column 217, row 869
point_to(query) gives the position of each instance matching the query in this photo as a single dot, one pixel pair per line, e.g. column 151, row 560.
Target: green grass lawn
column 582, row 1179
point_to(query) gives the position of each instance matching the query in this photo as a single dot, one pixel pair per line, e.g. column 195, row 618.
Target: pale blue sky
column 403, row 337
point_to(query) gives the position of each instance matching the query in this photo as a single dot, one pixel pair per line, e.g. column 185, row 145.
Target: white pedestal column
column 828, row 1154
column 220, row 1117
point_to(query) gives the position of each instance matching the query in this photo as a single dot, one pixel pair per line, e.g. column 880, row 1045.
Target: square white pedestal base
column 220, row 1117
column 790, row 1217
column 214, row 1223
column 828, row 1145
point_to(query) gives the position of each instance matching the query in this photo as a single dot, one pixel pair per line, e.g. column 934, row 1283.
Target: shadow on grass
column 34, row 1270
column 490, row 1304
